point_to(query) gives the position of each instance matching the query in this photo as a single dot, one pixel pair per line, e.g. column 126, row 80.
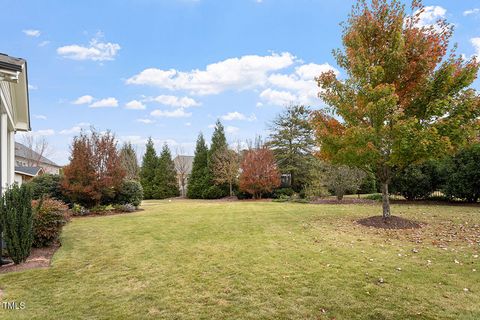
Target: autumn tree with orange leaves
column 259, row 172
column 404, row 99
column 95, row 173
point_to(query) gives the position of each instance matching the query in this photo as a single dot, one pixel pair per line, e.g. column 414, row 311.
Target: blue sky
column 169, row 68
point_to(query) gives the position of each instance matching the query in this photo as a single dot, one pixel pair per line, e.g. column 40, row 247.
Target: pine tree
column 218, row 147
column 292, row 141
column 149, row 166
column 198, row 180
column 165, row 183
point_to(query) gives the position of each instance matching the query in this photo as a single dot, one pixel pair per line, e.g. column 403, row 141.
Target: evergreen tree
column 292, row 141
column 149, row 166
column 219, row 141
column 198, row 180
column 16, row 216
column 165, row 183
column 218, row 147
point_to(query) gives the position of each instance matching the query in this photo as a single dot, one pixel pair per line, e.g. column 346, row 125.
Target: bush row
column 130, row 192
column 457, row 177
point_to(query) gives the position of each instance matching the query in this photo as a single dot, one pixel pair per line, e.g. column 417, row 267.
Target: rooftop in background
column 25, row 152
column 28, row 171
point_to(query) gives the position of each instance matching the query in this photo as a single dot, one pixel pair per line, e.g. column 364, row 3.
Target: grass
column 256, row 260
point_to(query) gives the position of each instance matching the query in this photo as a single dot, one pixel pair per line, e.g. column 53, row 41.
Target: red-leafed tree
column 95, row 173
column 403, row 98
column 259, row 172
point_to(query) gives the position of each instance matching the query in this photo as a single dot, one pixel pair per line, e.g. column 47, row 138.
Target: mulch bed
column 393, row 222
column 39, row 258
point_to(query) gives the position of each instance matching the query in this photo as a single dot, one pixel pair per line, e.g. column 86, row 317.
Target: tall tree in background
column 218, row 147
column 402, row 100
column 225, row 168
column 165, row 182
column 128, row 159
column 292, row 141
column 94, row 174
column 259, row 172
column 149, row 166
column 198, row 180
column 182, row 166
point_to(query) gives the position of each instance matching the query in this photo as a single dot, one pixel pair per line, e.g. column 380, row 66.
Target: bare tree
column 38, row 148
column 182, row 166
column 129, row 161
column 342, row 179
column 226, row 167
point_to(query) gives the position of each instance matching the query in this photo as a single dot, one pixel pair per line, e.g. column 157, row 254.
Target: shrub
column 49, row 217
column 463, row 175
column 128, row 207
column 78, row 210
column 48, row 185
column 243, row 195
column 213, row 192
column 374, row 197
column 131, row 191
column 278, row 193
column 17, row 221
column 369, row 185
column 417, row 181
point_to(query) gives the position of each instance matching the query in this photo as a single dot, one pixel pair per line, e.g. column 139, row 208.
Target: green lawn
column 257, row 260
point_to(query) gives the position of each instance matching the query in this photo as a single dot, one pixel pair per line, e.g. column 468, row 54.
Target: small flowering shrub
column 78, row 210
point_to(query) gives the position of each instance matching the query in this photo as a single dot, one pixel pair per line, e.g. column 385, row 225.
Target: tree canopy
column 403, row 99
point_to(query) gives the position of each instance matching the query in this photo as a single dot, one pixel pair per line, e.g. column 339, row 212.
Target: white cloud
column 232, row 74
column 430, row 15
column 173, row 101
column 279, row 98
column 96, row 51
column 188, row 124
column 471, row 12
column 297, row 87
column 231, row 116
column 177, row 113
column 87, row 99
column 105, row 103
column 135, row 105
column 39, row 133
column 32, row 33
column 32, row 87
column 43, row 43
column 40, row 117
column 146, row 121
column 476, row 44
column 231, row 129
column 259, row 104
column 75, row 129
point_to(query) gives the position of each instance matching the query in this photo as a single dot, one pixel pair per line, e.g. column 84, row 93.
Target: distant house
column 24, row 174
column 29, row 164
column 183, row 166
column 14, row 113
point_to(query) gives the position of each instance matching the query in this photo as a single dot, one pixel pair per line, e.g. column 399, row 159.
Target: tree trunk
column 231, row 189
column 385, row 200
